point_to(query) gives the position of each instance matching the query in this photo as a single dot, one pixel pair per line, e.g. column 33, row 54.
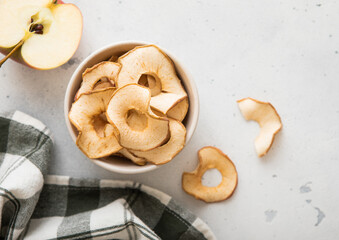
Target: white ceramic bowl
column 117, row 164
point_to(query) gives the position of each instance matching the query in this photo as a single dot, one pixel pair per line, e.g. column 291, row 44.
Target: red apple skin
column 16, row 56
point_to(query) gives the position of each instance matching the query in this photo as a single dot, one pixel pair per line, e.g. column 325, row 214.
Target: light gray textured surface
column 285, row 52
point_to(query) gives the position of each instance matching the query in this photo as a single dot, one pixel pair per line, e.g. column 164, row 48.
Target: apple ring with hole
column 150, row 67
column 96, row 137
column 209, row 158
column 109, row 129
column 130, row 102
column 42, row 34
column 166, row 152
column 268, row 119
column 100, row 76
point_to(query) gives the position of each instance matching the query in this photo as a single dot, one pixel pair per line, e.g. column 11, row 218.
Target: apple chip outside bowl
column 112, row 52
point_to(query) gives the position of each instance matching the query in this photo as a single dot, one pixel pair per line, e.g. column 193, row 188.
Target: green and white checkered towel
column 36, row 206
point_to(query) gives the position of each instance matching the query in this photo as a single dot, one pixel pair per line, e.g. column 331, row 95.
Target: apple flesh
column 42, row 34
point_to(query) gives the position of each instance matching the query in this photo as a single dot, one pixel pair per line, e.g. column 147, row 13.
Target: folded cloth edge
column 24, row 119
column 71, row 184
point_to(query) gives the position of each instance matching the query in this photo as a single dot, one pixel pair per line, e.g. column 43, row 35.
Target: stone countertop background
column 284, row 52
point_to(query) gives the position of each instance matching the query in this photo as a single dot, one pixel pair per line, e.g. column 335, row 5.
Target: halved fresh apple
column 152, row 68
column 267, row 118
column 100, row 76
column 96, row 136
column 42, row 34
column 133, row 102
column 170, row 149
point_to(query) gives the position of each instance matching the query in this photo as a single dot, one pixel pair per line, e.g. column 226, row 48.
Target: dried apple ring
column 211, row 157
column 137, row 160
column 100, row 76
column 94, row 140
column 179, row 110
column 267, row 118
column 113, row 58
column 130, row 102
column 150, row 67
column 170, row 149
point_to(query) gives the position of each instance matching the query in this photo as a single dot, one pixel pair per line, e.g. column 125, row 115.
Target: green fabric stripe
column 27, row 141
column 192, row 234
column 170, row 226
column 148, row 209
column 130, row 203
column 52, row 202
column 96, row 232
column 77, row 223
column 4, row 130
column 162, row 219
column 81, row 200
column 16, row 203
column 182, row 211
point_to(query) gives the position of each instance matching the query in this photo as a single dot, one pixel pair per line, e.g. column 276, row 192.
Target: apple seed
column 38, row 32
column 39, row 27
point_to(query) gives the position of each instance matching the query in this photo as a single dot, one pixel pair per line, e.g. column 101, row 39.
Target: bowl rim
column 71, row 85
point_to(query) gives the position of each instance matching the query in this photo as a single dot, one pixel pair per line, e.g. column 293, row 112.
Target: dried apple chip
column 95, row 146
column 150, row 67
column 133, row 102
column 170, row 149
column 113, row 58
column 102, row 84
column 209, row 158
column 137, row 160
column 100, row 76
column 96, row 137
column 268, row 119
column 179, row 110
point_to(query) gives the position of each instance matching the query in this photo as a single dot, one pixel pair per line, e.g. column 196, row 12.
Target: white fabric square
column 43, row 228
column 204, row 229
column 25, row 181
column 57, row 180
column 109, row 215
column 163, row 198
column 115, row 184
column 28, row 120
column 9, row 161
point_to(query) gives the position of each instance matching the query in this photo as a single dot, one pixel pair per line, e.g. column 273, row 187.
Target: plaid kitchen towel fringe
column 36, row 206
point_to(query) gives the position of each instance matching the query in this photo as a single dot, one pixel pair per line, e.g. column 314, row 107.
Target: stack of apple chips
column 133, row 107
